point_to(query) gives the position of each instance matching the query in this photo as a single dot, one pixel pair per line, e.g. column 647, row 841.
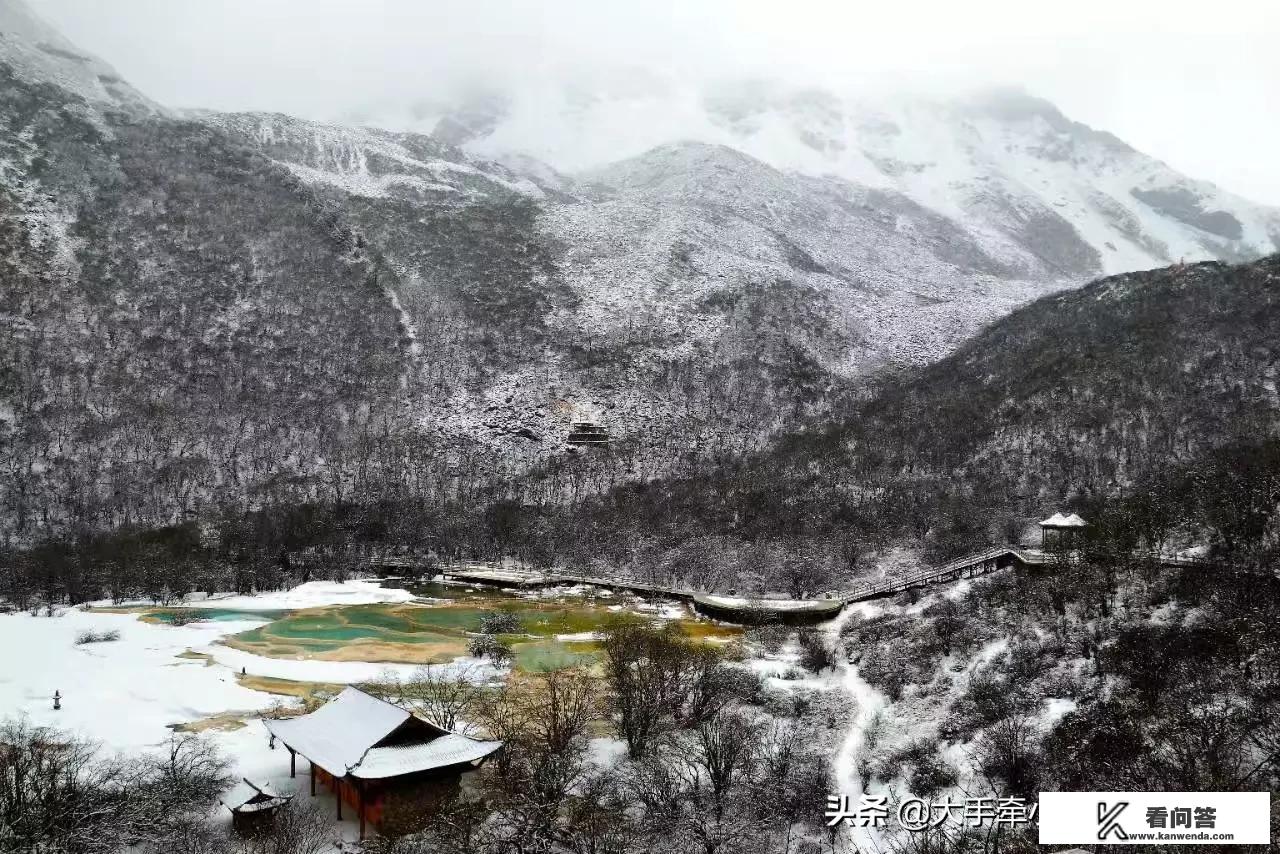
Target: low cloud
column 1192, row 85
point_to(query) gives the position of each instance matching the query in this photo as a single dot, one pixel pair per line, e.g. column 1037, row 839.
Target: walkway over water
column 753, row 609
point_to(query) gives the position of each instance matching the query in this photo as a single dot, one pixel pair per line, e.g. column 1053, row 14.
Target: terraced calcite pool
column 553, row 632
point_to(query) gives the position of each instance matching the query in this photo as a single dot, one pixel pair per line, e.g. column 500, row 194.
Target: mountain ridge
column 978, row 159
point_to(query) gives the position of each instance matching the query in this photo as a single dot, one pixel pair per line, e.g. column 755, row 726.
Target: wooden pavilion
column 253, row 805
column 370, row 752
column 1061, row 532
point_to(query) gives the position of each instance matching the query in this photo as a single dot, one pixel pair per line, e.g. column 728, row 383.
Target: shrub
column 931, row 775
column 988, row 700
column 491, row 647
column 769, row 638
column 1010, row 751
column 499, row 623
column 59, row 794
column 793, row 704
column 747, row 686
column 816, row 653
column 89, row 636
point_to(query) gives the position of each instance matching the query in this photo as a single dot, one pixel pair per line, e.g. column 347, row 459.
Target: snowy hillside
column 689, row 261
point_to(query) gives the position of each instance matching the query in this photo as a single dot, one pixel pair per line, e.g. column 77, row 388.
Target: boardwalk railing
column 969, row 566
column 983, row 562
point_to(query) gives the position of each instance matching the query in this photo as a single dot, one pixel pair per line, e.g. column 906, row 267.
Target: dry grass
column 375, row 652
column 225, row 722
column 305, row 691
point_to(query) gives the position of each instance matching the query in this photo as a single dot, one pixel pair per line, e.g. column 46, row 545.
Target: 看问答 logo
column 1109, row 820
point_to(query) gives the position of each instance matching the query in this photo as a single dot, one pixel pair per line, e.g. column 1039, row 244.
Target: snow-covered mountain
column 258, row 308
column 36, row 52
column 1001, row 163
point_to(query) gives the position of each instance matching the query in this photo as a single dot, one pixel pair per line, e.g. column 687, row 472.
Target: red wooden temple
column 369, row 752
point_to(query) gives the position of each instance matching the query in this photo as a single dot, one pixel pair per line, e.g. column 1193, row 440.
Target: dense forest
column 246, row 348
column 1077, row 399
column 1073, row 399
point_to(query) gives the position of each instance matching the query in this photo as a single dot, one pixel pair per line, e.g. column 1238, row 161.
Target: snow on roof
column 1059, row 520
column 449, row 749
column 246, row 790
column 338, row 733
column 342, row 737
column 241, row 793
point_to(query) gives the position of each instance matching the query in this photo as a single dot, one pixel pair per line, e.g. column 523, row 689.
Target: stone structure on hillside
column 588, row 433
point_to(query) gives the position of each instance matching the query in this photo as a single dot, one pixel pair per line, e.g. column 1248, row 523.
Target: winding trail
column 867, row 703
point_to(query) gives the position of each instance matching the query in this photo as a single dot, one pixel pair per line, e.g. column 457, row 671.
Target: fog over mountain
column 1188, row 86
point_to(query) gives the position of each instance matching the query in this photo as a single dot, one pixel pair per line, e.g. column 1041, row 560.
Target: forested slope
column 186, row 322
column 1074, row 398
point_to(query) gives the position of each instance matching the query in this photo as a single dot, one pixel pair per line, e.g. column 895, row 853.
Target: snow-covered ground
column 123, row 693
column 127, row 693
column 867, row 704
column 313, row 594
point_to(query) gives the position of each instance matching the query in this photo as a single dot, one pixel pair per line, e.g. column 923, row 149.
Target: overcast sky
column 1196, row 84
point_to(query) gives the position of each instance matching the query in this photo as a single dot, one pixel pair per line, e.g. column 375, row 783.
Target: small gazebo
column 253, row 805
column 1060, row 532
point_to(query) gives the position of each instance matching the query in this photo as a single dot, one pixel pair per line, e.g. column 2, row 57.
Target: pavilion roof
column 246, row 794
column 448, row 749
column 1059, row 520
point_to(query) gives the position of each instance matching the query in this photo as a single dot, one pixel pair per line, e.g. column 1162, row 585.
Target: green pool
column 439, row 632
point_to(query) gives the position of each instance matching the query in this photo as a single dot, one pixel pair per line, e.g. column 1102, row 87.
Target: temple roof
column 345, row 735
column 448, row 749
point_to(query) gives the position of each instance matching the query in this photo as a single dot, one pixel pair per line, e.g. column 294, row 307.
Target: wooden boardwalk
column 754, row 609
column 969, row 566
column 982, row 563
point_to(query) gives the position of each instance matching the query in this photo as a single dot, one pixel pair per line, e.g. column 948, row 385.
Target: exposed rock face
column 1185, row 206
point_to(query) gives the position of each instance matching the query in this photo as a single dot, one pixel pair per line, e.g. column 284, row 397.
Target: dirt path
column 867, row 703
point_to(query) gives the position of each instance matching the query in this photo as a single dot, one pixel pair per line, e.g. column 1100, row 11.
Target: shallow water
column 223, row 615
column 439, row 630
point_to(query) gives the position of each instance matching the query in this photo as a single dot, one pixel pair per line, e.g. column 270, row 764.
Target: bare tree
column 446, row 699
column 645, row 666
column 297, row 829
column 57, row 794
